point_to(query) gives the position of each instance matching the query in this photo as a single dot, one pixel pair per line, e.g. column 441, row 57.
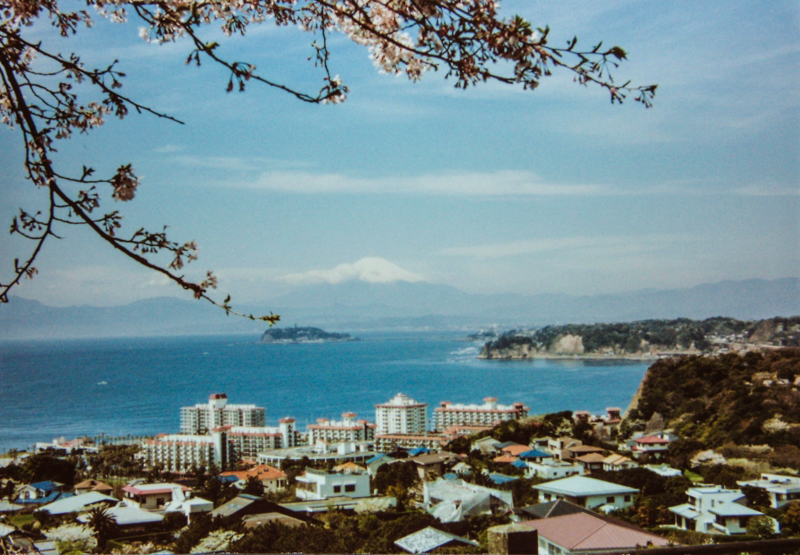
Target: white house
column 552, row 470
column 781, row 489
column 151, row 497
column 714, row 509
column 653, row 446
column 315, row 485
column 587, row 492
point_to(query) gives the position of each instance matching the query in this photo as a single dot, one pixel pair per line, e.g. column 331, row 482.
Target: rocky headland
column 645, row 339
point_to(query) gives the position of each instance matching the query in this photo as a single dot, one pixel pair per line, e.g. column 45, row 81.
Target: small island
column 303, row 335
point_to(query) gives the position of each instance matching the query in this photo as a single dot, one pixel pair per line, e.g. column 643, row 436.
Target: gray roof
column 8, row 507
column 78, row 503
column 580, row 486
column 734, row 509
column 429, row 539
column 129, row 516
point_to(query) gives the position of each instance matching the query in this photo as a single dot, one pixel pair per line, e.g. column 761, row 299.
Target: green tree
column 253, row 486
column 761, row 526
column 103, row 524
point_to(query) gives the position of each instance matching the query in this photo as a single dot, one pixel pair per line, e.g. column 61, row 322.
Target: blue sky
column 493, row 189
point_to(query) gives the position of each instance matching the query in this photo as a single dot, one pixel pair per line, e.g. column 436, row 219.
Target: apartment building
column 346, row 429
column 490, row 413
column 204, row 417
column 401, row 415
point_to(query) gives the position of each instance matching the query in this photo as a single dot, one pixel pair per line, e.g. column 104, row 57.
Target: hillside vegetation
column 727, row 400
column 646, row 337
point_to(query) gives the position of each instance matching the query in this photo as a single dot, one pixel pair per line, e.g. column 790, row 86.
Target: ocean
column 136, row 386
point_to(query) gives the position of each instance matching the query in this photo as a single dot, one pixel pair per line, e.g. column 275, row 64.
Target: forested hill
column 731, row 399
column 302, row 335
column 646, row 338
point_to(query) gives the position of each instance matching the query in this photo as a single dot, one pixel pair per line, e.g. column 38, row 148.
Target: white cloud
column 369, row 269
column 507, row 182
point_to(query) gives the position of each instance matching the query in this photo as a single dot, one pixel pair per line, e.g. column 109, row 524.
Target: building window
column 609, row 499
column 350, row 488
column 337, row 489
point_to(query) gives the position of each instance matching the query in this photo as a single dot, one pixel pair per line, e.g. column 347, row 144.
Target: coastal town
column 467, row 478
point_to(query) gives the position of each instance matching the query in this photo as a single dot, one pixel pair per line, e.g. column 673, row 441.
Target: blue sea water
column 136, row 386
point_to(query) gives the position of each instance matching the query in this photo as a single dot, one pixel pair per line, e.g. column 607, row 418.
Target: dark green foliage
column 202, row 525
column 173, row 521
column 41, row 468
column 400, row 475
column 789, row 519
column 254, row 487
column 116, row 460
column 723, row 474
column 103, row 524
column 217, row 491
column 628, row 337
column 714, row 401
column 756, row 497
column 461, row 445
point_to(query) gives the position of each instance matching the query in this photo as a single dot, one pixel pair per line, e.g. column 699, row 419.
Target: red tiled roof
column 516, row 449
column 579, row 532
column 263, row 472
column 652, row 439
column 505, row 459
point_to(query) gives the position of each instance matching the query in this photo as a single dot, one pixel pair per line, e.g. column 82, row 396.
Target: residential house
column 244, row 506
column 556, row 446
column 434, row 464
column 428, row 539
column 79, row 503
column 584, row 534
column 588, row 492
column 780, row 489
column 131, row 520
column 186, row 505
column 316, row 485
column 454, row 500
column 652, row 447
column 615, row 462
column 151, row 497
column 714, row 509
column 271, row 478
column 40, row 493
column 552, row 470
column 591, row 461
column 93, row 485
column 486, row 445
column 572, row 453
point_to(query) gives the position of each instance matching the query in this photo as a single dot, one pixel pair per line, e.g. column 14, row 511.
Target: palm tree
column 103, row 524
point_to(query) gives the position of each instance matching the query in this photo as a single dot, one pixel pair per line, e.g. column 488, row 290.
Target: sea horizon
column 136, row 386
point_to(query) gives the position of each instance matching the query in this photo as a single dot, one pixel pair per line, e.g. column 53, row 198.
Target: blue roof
column 377, row 457
column 501, row 478
column 519, row 464
column 533, row 454
column 418, row 451
column 46, row 486
column 228, row 479
column 451, row 476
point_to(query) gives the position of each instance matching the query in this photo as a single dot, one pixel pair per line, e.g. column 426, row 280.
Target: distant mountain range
column 356, row 306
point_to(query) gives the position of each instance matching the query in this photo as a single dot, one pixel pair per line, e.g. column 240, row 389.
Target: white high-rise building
column 401, row 415
column 204, row 417
column 347, row 429
column 486, row 415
